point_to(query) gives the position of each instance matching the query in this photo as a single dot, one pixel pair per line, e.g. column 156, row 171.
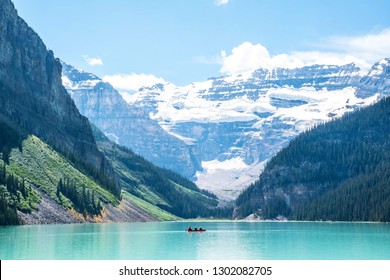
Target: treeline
column 341, row 168
column 363, row 198
column 100, row 175
column 83, row 199
column 8, row 214
column 9, row 138
column 186, row 204
column 15, row 194
column 175, row 177
column 181, row 196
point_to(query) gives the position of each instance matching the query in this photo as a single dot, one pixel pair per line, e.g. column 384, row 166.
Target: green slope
column 29, row 161
column 28, row 165
column 39, row 167
column 44, row 167
column 149, row 208
column 159, row 187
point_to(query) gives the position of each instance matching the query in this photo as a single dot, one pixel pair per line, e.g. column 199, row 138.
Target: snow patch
column 227, row 179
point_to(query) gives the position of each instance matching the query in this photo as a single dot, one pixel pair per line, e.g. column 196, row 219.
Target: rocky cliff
column 33, row 98
column 124, row 124
column 377, row 81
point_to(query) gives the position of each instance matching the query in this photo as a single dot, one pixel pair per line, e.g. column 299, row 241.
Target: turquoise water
column 223, row 240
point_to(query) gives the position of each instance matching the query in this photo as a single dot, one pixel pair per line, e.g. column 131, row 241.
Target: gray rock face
column 377, row 81
column 32, row 96
column 331, row 77
column 48, row 212
column 127, row 125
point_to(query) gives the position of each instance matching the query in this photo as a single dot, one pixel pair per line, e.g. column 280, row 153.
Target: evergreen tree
column 82, row 198
column 342, row 168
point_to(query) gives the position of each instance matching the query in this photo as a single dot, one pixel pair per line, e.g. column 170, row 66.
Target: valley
column 220, row 133
column 273, row 143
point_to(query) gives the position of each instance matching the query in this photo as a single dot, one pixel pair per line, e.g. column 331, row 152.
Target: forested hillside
column 160, row 187
column 336, row 171
column 30, row 168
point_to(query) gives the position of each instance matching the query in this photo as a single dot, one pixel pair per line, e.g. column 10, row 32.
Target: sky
column 135, row 43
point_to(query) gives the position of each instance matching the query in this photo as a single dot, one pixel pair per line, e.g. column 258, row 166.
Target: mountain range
column 220, row 133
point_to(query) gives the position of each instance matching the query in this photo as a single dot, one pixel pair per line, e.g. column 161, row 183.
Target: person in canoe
column 195, row 229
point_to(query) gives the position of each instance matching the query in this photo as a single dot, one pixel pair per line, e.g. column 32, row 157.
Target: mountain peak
column 76, row 78
column 377, row 81
column 126, row 124
column 380, row 68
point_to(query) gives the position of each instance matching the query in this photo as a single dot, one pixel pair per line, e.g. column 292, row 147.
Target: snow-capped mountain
column 236, row 123
column 376, row 81
column 230, row 126
column 125, row 124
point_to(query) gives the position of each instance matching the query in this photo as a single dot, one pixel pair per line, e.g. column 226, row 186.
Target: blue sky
column 135, row 42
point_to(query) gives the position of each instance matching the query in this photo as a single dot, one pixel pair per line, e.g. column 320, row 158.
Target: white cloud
column 93, row 61
column 133, row 81
column 221, row 2
column 362, row 50
column 247, row 57
column 334, row 58
column 370, row 46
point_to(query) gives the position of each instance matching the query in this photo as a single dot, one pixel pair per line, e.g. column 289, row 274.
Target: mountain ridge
column 125, row 125
column 270, row 107
column 231, row 126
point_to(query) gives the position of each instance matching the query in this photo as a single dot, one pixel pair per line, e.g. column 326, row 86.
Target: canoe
column 198, row 230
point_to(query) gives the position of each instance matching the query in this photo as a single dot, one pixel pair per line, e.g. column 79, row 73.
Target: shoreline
column 201, row 221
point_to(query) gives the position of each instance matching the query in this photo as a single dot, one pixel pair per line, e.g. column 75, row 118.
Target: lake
column 222, row 240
